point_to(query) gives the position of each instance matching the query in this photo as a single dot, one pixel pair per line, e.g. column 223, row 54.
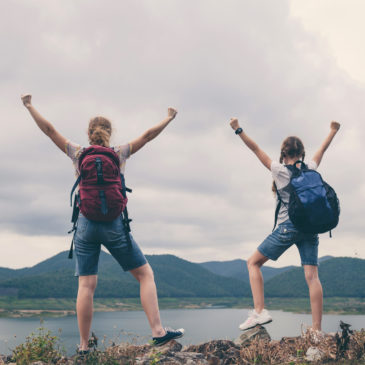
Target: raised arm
column 45, row 126
column 153, row 132
column 317, row 158
column 252, row 145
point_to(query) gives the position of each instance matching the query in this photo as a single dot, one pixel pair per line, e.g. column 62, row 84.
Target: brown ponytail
column 100, row 130
column 291, row 147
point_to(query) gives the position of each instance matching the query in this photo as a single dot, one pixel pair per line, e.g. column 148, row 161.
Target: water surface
column 200, row 325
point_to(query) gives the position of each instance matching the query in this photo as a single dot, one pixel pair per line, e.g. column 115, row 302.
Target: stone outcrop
column 258, row 332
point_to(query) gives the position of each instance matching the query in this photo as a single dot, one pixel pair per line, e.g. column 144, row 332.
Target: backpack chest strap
column 99, row 170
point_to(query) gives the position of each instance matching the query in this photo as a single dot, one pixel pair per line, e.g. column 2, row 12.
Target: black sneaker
column 82, row 354
column 170, row 335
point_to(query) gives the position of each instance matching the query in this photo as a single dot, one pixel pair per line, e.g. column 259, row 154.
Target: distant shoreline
column 60, row 307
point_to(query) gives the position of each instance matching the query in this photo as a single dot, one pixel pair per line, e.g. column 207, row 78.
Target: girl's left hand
column 27, row 99
column 234, row 123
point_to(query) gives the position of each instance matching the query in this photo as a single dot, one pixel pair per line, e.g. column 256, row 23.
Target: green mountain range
column 238, row 269
column 175, row 277
column 340, row 277
column 53, row 278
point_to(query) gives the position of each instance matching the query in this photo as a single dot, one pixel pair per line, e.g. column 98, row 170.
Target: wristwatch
column 238, row 130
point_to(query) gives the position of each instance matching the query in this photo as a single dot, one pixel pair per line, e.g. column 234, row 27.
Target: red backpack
column 102, row 193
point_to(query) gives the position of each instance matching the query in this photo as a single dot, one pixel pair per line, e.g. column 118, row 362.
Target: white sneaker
column 314, row 336
column 255, row 318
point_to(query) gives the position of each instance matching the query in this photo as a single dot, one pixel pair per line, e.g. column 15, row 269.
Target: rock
column 126, row 350
column 172, row 358
column 314, row 354
column 217, row 352
column 160, row 354
column 171, row 346
column 217, row 348
column 213, row 360
column 258, row 332
column 191, row 358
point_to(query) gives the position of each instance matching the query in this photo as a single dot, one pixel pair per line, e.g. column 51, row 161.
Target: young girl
column 285, row 234
column 89, row 234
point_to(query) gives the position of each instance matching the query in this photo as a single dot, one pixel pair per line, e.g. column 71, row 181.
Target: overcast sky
column 281, row 67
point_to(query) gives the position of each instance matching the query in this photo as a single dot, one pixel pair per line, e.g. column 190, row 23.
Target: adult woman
column 111, row 234
column 286, row 234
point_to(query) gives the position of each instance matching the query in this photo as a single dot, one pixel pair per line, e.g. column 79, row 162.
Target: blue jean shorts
column 285, row 236
column 90, row 235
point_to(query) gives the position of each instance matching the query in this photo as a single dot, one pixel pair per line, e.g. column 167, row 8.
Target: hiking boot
column 255, row 318
column 170, row 335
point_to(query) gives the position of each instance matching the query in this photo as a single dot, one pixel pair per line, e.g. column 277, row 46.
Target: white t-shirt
column 281, row 176
column 74, row 150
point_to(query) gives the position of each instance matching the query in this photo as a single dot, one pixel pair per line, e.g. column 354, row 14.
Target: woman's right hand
column 27, row 100
column 234, row 123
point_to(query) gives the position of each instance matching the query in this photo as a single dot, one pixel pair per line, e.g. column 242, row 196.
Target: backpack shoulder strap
column 84, row 153
column 124, row 188
column 125, row 218
column 278, row 205
column 77, row 182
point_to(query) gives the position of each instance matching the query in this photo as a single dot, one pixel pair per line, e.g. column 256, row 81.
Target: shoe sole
column 165, row 342
column 261, row 324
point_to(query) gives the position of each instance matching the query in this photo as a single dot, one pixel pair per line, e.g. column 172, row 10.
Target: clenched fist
column 27, row 99
column 171, row 113
column 335, row 125
column 234, row 123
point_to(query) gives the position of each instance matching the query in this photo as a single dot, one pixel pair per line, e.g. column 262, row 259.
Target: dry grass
column 293, row 350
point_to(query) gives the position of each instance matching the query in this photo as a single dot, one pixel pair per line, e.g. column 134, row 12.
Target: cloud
column 198, row 191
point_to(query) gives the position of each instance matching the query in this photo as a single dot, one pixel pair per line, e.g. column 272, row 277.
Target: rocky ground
column 252, row 347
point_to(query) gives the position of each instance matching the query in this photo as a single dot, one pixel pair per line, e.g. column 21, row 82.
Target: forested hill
column 175, row 277
column 238, row 269
column 340, row 277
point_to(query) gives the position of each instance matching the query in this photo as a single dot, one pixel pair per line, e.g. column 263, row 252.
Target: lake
column 200, row 325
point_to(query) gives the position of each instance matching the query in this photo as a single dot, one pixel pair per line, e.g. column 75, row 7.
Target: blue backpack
column 313, row 204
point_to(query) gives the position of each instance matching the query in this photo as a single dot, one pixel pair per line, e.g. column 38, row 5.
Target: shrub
column 39, row 346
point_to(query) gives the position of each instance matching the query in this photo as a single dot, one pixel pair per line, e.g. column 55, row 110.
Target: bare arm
column 252, row 145
column 153, row 132
column 45, row 126
column 317, row 158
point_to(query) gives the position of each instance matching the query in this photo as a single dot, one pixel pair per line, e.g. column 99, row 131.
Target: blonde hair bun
column 100, row 130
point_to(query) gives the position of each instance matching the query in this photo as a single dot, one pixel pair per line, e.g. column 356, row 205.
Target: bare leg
column 148, row 292
column 315, row 294
column 84, row 307
column 254, row 264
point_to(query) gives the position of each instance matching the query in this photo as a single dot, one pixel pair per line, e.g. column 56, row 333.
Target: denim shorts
column 285, row 236
column 90, row 235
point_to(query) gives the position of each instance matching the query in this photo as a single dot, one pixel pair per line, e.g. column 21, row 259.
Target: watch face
column 238, row 130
